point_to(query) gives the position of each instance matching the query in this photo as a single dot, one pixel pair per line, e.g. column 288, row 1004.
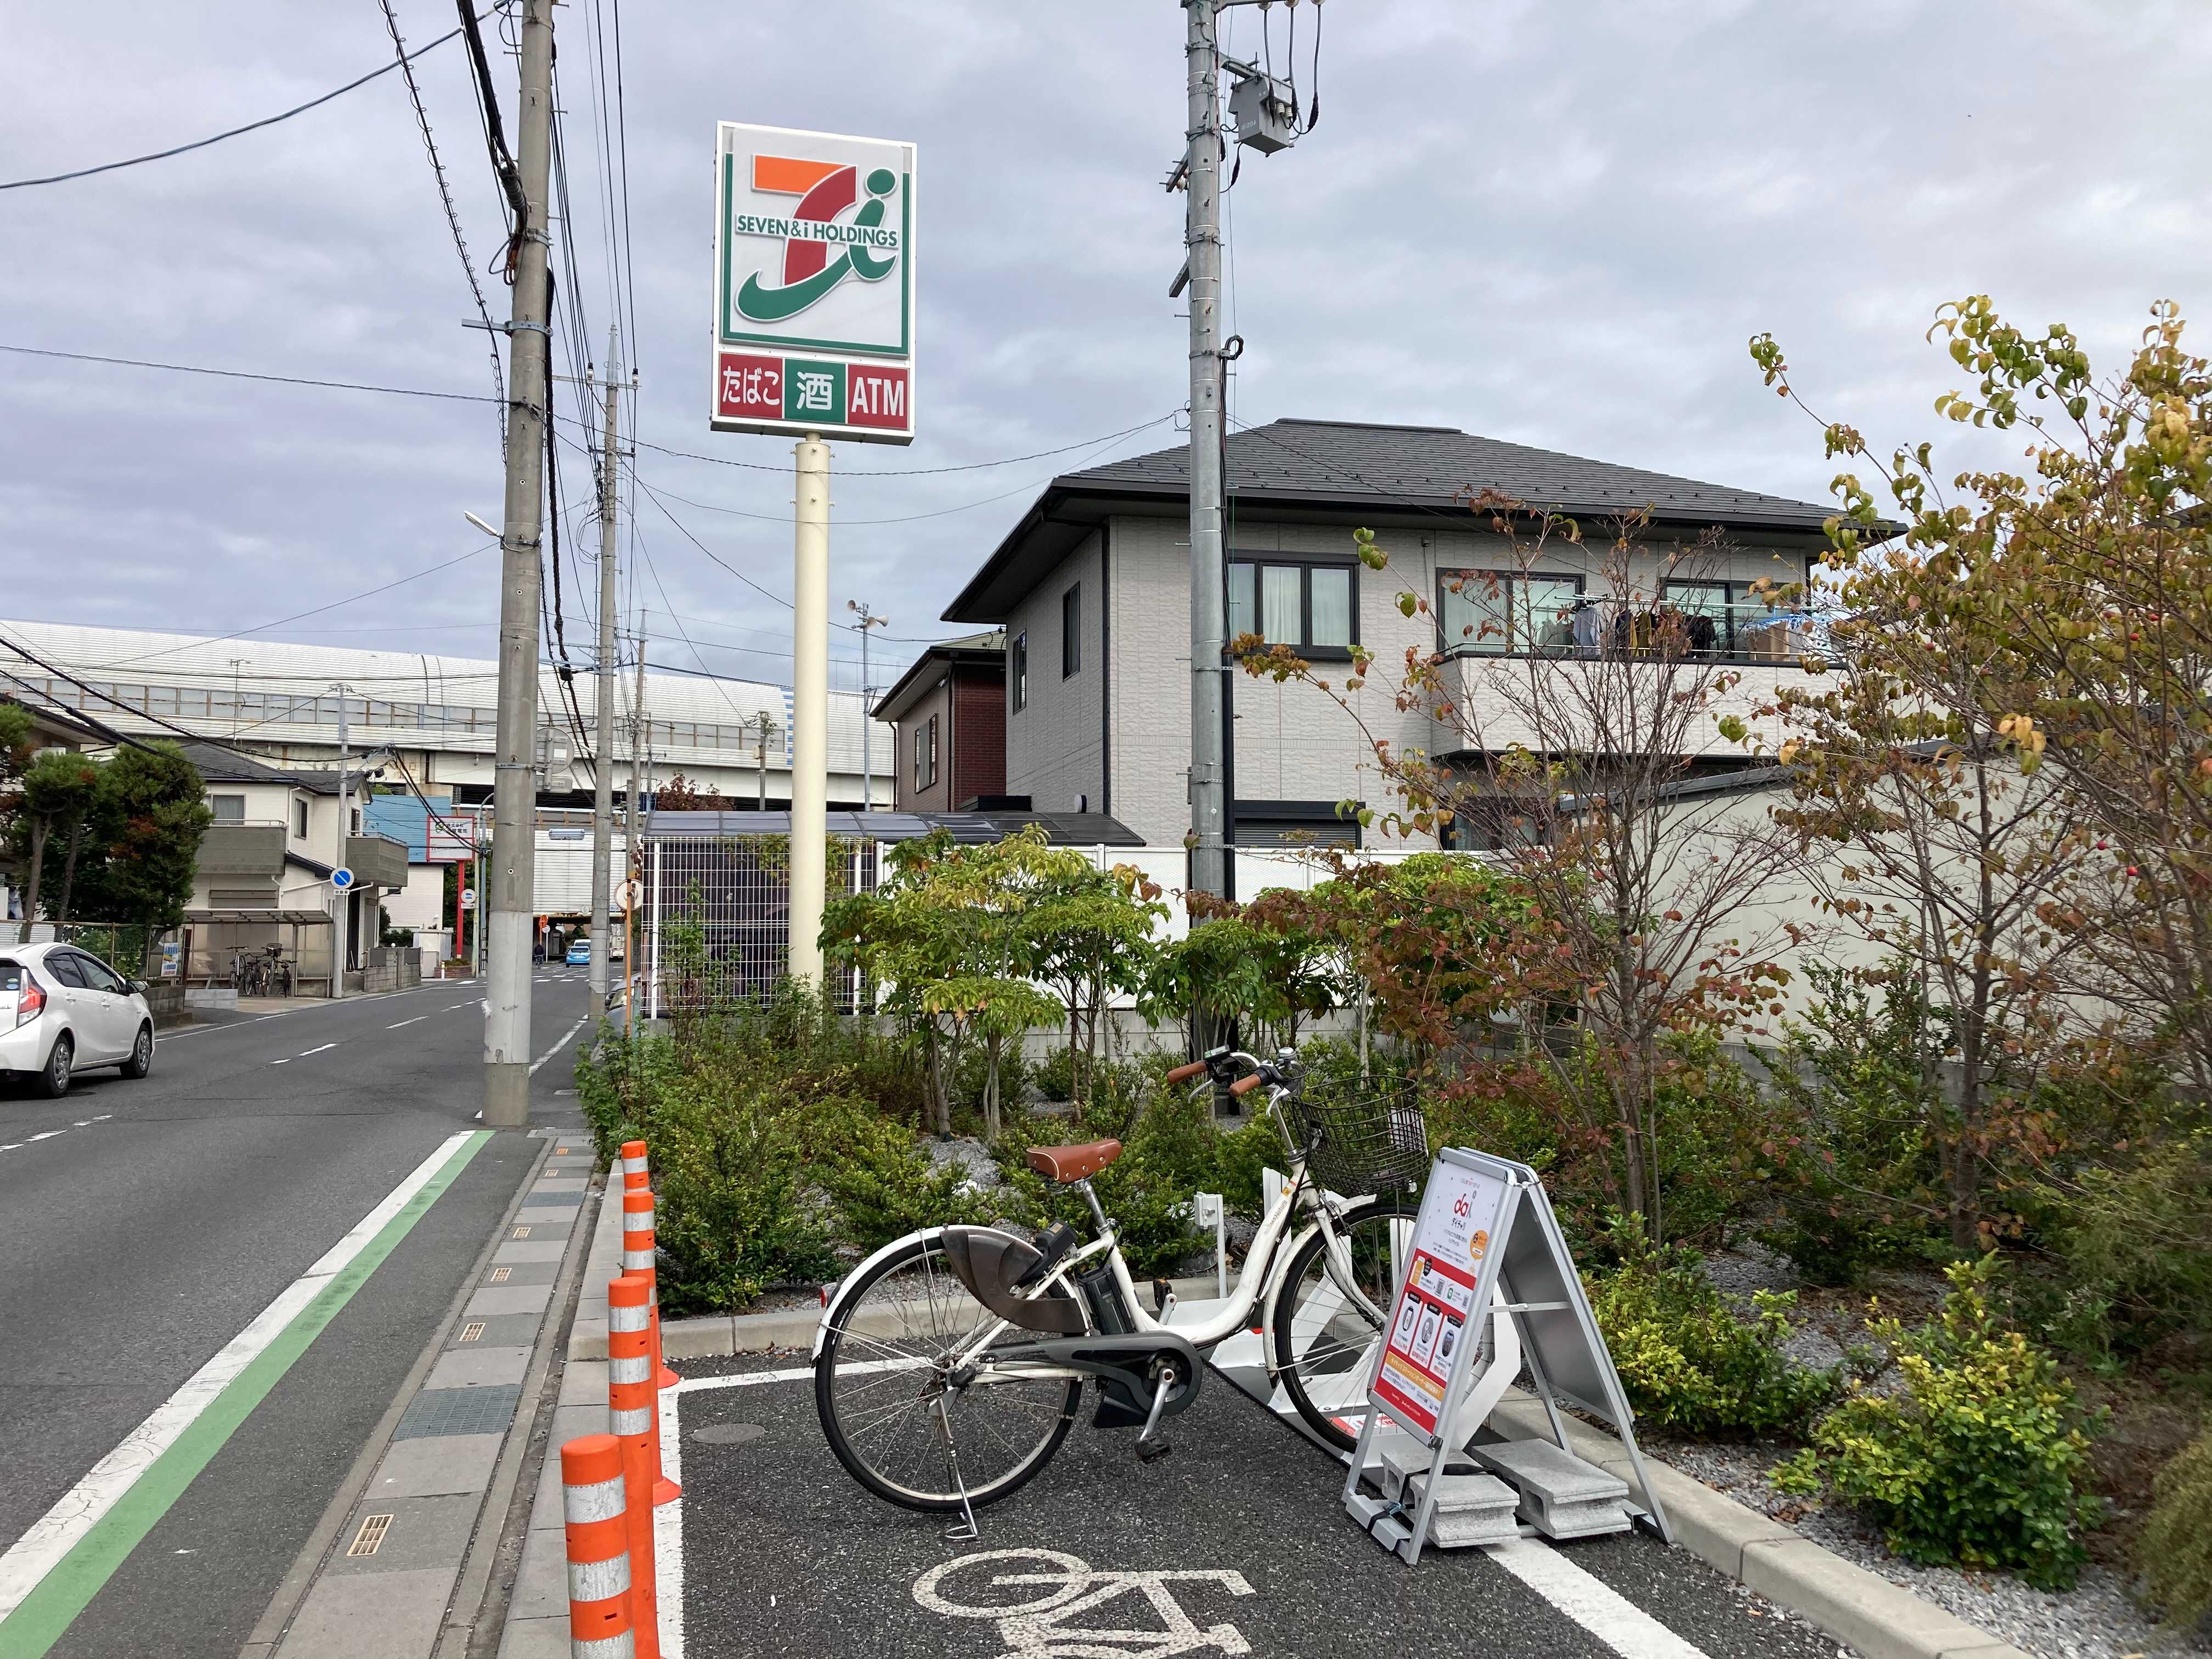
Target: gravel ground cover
column 2096, row 1619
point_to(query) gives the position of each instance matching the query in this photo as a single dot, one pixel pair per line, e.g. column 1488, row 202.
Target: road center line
column 52, row 1572
column 316, row 1050
column 558, row 1047
column 397, row 1024
column 1591, row 1602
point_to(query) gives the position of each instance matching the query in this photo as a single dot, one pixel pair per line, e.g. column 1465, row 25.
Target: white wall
column 1055, row 746
column 421, row 904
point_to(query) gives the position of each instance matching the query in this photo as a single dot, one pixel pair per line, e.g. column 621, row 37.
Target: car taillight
column 30, row 1001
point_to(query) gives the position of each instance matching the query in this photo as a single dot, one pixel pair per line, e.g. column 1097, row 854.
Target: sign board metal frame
column 814, row 298
column 1527, row 1258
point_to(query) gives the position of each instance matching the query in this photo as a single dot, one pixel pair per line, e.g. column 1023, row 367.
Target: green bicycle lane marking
column 50, row 1606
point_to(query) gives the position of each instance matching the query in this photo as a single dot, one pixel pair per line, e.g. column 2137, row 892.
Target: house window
column 924, row 753
column 1017, row 675
column 1071, row 630
column 1310, row 607
column 1294, row 824
column 1708, row 610
column 1495, row 612
column 299, row 817
column 228, row 808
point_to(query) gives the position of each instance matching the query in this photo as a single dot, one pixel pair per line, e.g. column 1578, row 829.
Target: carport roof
column 1062, row 828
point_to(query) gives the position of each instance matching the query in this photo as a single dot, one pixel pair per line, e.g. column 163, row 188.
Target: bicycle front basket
column 1375, row 1144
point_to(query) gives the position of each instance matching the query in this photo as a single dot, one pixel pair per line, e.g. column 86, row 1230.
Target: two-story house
column 1092, row 588
column 948, row 711
column 266, row 864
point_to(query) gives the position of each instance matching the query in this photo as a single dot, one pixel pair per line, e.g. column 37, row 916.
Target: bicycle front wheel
column 1327, row 1340
column 901, row 1420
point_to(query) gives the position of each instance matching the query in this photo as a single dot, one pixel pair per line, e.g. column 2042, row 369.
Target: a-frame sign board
column 1486, row 1239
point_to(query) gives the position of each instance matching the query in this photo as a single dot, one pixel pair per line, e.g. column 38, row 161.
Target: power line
column 242, row 375
column 251, row 126
column 452, row 215
column 916, row 472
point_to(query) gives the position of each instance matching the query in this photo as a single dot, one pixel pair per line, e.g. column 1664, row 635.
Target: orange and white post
column 638, row 1255
column 632, row 1400
column 602, row 1621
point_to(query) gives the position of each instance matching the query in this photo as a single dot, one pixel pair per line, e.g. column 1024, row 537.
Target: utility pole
column 509, row 884
column 341, row 901
column 1209, row 858
column 868, row 620
column 609, row 692
column 810, row 708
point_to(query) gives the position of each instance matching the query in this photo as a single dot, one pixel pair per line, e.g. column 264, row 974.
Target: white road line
column 287, row 1060
column 668, row 1530
column 316, row 1050
column 397, row 1024
column 47, row 1134
column 56, row 1532
column 754, row 1379
column 558, row 1047
column 1599, row 1608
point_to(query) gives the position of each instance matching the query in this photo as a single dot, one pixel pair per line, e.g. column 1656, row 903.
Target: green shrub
column 879, row 1184
column 730, row 1206
column 1054, row 1076
column 1688, row 1361
column 1981, row 1460
column 2174, row 1551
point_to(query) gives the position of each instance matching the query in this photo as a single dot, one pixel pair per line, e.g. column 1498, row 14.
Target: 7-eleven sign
column 814, row 284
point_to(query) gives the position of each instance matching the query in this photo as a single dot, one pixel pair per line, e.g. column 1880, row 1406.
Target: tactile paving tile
column 458, row 1411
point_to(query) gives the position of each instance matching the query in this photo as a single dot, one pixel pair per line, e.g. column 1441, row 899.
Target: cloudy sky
column 1556, row 223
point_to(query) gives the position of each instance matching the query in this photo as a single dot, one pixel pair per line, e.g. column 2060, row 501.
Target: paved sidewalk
column 537, row 1612
column 389, row 1582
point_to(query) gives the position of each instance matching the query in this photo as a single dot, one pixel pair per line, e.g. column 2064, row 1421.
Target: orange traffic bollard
column 632, row 1401
column 601, row 1624
column 638, row 1258
column 637, row 1178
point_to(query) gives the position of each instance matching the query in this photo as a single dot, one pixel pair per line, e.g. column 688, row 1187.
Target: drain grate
column 522, row 1232
column 371, row 1535
column 473, row 1332
column 499, row 1275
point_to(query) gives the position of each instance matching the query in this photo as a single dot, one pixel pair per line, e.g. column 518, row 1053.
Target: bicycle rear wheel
column 890, row 1407
column 1326, row 1341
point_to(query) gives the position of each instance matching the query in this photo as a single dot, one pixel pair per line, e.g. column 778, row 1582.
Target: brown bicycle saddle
column 1074, row 1162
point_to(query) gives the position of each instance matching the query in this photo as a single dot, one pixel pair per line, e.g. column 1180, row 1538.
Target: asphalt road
column 782, row 1554
column 154, row 1220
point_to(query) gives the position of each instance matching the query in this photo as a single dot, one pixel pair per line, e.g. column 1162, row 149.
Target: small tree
column 58, row 791
column 1088, row 933
column 2082, row 594
column 1566, row 760
column 148, row 819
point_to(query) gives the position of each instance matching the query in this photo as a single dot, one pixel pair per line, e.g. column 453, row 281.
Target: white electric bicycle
column 949, row 1365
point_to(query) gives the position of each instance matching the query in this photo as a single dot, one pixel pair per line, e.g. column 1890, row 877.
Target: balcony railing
column 1615, row 630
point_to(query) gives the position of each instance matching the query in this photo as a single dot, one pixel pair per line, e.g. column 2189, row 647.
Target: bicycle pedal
column 1151, row 1452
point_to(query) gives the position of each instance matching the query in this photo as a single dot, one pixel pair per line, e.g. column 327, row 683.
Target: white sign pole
column 810, row 708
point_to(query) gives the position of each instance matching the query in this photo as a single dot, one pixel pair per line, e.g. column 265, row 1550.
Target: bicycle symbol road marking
column 1040, row 1627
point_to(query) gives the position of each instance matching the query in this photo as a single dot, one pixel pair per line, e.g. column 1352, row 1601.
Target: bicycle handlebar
column 1245, row 1084
column 1181, row 1073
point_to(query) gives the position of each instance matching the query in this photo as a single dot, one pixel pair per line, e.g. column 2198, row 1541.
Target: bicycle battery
column 991, row 1264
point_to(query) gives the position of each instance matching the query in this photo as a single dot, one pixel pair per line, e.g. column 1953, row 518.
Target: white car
column 63, row 1010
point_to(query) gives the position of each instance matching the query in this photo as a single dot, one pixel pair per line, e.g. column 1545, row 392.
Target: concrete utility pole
column 341, row 901
column 1209, row 791
column 868, row 620
column 609, row 689
column 509, row 882
column 809, row 707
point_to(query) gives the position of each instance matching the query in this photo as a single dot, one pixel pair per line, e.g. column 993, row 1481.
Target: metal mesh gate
column 719, row 918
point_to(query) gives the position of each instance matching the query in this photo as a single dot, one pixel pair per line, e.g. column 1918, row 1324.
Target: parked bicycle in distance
column 949, row 1365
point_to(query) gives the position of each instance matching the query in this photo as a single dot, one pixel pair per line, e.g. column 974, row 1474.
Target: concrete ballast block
column 1562, row 1495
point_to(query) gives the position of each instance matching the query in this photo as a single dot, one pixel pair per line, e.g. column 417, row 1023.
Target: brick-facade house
column 948, row 712
column 1092, row 591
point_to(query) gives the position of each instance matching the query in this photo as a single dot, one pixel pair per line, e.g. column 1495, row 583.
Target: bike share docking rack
column 1485, row 1230
column 1428, row 1469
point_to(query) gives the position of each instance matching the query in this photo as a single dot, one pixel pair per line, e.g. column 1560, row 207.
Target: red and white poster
column 1452, row 1240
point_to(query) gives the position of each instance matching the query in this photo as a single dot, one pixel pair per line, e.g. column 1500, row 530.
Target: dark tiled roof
column 217, row 765
column 1345, row 460
column 1359, row 473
